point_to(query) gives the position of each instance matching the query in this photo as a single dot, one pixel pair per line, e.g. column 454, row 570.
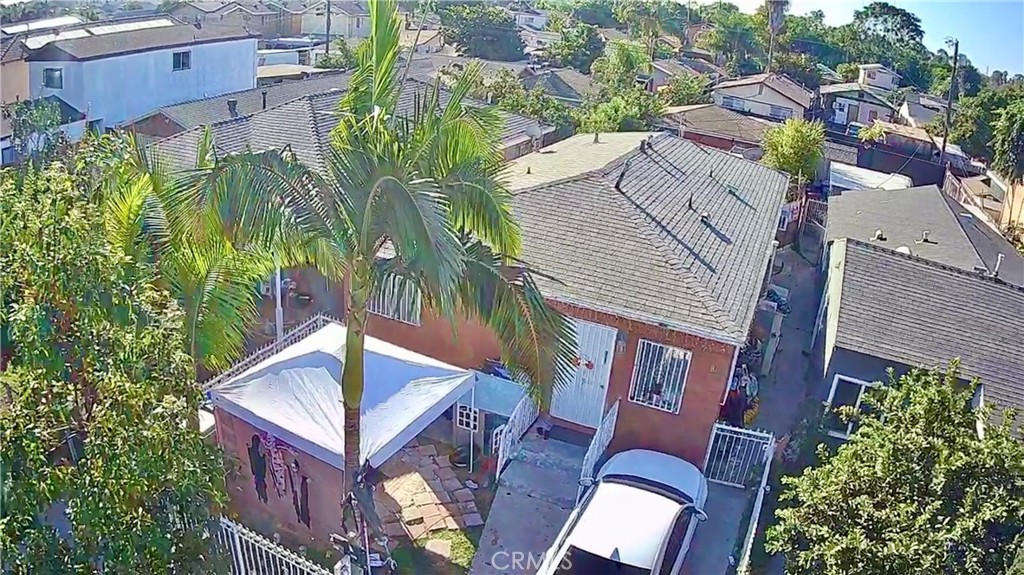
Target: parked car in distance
column 636, row 518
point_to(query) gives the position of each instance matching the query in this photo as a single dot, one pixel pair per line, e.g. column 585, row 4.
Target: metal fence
column 598, row 445
column 252, row 554
column 737, row 455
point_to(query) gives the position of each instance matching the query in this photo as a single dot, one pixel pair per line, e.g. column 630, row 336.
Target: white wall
column 883, row 79
column 759, row 104
column 314, row 23
column 122, row 88
column 883, row 113
column 535, row 21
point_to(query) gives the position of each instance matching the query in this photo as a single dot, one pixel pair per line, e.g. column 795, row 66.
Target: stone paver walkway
column 422, row 494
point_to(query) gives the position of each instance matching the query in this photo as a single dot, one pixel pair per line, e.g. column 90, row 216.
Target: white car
column 636, row 518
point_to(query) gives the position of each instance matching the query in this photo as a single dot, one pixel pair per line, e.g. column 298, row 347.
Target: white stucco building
column 114, row 72
column 878, row 76
column 768, row 95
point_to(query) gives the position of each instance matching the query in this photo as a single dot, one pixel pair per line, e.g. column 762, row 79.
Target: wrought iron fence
column 252, row 554
column 598, row 445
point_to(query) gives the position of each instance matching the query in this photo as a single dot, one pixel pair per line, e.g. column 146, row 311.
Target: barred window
column 659, row 376
column 397, row 300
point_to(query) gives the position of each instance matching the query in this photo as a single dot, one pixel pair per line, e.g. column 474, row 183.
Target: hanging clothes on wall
column 277, row 450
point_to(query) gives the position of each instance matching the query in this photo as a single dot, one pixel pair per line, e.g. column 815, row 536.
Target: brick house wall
column 685, row 435
column 278, row 514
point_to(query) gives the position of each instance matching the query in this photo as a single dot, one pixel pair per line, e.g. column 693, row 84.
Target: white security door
column 581, row 400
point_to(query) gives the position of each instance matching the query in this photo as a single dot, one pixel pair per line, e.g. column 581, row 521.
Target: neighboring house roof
column 713, row 120
column 209, row 110
column 566, row 84
column 995, row 251
column 828, row 73
column 621, row 237
column 841, row 153
column 848, row 87
column 903, row 216
column 408, row 37
column 304, row 124
column 852, row 177
column 921, row 313
column 777, row 82
column 877, row 67
column 688, row 66
column 41, row 24
column 612, row 34
column 287, row 70
column 427, row 66
column 91, row 47
column 12, row 49
column 570, row 158
column 922, row 108
column 208, row 7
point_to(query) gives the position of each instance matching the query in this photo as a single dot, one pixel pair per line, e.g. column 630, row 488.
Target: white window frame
column 864, row 385
column 783, row 222
column 392, row 301
column 181, row 56
column 467, row 417
column 59, row 76
column 636, row 388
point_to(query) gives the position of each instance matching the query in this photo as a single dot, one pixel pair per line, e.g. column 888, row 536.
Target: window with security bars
column 659, row 376
column 397, row 300
column 467, row 418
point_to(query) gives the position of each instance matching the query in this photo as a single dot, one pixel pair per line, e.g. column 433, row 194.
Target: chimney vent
column 878, row 237
column 705, row 217
column 924, row 237
column 999, row 262
column 528, row 169
column 233, row 107
column 650, row 142
column 643, row 146
column 264, row 94
column 597, row 137
column 622, row 175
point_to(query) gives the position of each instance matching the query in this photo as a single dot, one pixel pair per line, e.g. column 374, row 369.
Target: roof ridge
column 938, row 265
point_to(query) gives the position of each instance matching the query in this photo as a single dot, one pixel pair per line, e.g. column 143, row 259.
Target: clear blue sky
column 991, row 32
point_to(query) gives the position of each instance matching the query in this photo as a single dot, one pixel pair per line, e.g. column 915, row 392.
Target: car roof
column 624, row 523
column 660, row 468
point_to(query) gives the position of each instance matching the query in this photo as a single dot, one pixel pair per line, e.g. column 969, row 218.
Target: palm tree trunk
column 352, row 372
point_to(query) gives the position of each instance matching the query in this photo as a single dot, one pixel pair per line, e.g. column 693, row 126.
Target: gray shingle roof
column 921, row 313
column 990, row 245
column 12, row 49
column 711, row 119
column 304, row 124
column 106, row 45
column 903, row 216
column 841, row 153
column 688, row 66
column 642, row 252
column 210, row 110
column 566, row 83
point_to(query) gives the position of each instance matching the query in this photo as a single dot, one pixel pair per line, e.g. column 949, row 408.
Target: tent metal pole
column 472, row 436
column 278, row 310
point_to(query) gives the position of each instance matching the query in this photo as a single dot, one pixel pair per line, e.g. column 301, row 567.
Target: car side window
column 675, row 543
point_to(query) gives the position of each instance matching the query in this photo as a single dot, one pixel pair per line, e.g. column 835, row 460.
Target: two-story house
column 349, row 19
column 850, row 102
column 530, row 18
column 769, row 95
column 878, row 76
column 117, row 71
column 256, row 16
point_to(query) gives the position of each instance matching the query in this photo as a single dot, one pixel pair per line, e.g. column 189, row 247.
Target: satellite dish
column 534, row 131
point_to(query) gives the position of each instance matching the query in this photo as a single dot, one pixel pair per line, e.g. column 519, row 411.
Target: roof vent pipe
column 924, row 236
column 233, row 107
column 264, row 94
column 879, row 236
column 622, row 175
column 643, row 146
column 999, row 262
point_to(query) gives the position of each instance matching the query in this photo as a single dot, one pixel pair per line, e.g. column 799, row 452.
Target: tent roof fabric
column 295, row 395
column 495, row 395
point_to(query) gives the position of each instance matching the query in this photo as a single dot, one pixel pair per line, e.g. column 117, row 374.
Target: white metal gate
column 253, row 554
column 736, row 456
column 508, row 436
column 581, row 400
column 598, row 445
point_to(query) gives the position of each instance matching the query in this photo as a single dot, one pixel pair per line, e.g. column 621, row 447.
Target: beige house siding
column 267, row 25
column 758, row 99
column 15, row 81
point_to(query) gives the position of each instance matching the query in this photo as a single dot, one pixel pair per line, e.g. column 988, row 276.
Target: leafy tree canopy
column 578, row 47
column 975, row 118
column 342, row 57
column 632, row 110
column 617, row 69
column 684, row 90
column 795, row 147
column 915, row 490
column 481, row 30
column 99, row 462
column 1008, row 145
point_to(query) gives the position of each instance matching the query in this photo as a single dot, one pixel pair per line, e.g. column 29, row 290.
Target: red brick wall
column 278, row 515
column 685, row 435
column 708, row 140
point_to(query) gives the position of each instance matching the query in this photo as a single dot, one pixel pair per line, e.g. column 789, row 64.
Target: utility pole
column 327, row 49
column 949, row 102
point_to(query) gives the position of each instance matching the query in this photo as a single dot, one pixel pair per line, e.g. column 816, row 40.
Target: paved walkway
column 535, row 495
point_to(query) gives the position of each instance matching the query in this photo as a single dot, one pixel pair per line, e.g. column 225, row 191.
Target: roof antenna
column 622, row 175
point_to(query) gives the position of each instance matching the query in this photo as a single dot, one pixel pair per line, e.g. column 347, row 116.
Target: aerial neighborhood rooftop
column 509, row 288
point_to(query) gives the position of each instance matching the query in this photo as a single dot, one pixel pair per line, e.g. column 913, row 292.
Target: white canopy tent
column 295, row 395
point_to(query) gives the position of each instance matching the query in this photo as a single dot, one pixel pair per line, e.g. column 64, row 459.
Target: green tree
column 644, row 19
column 598, row 13
column 578, row 47
column 732, row 37
column 629, row 111
column 35, row 129
column 684, row 90
column 482, row 31
column 976, row 116
column 418, row 199
column 616, row 70
column 796, row 147
column 97, row 458
column 915, row 490
column 896, row 25
column 1008, row 144
column 341, row 58
column 849, row 71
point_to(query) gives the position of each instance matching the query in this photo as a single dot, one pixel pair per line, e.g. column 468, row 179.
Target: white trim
column 467, row 417
column 728, row 380
column 677, row 405
column 860, row 396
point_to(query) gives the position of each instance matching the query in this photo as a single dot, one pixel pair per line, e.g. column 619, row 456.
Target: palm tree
column 731, row 37
column 416, row 197
column 616, row 70
column 776, row 18
column 207, row 259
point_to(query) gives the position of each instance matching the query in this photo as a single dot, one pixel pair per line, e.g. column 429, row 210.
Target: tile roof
column 210, row 110
column 921, row 313
column 304, row 124
column 712, row 119
column 778, row 82
column 119, row 43
column 903, row 216
column 638, row 250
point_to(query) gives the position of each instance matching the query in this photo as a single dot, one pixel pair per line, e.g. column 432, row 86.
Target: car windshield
column 580, row 562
